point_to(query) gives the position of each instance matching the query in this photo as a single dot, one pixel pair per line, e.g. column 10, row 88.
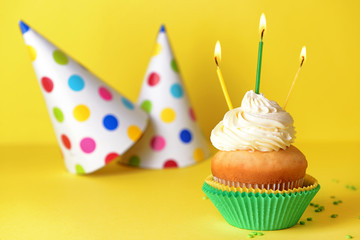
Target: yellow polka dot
column 134, row 132
column 81, row 113
column 167, row 115
column 199, row 155
column 32, row 52
column 157, row 49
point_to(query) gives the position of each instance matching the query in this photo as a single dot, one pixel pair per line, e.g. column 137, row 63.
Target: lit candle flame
column 262, row 26
column 302, row 56
column 217, row 54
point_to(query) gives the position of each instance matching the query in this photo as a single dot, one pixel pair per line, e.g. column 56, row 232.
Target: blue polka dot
column 185, row 136
column 127, row 103
column 176, row 90
column 110, row 122
column 23, row 27
column 76, row 83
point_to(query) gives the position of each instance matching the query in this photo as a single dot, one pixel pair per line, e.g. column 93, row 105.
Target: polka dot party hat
column 173, row 138
column 93, row 123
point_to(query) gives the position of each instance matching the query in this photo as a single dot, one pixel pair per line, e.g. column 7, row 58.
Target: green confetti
column 335, row 181
column 339, row 201
column 205, row 198
column 254, row 233
column 250, row 236
column 349, row 237
column 302, row 223
column 333, row 215
column 358, row 217
column 335, row 202
column 332, row 196
column 311, row 204
column 353, row 188
column 347, row 186
column 316, row 205
column 309, row 219
column 260, row 234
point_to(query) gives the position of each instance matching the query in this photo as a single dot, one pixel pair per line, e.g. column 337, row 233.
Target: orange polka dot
column 198, row 155
column 134, row 132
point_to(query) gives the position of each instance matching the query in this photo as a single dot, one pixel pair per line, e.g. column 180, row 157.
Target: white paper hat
column 173, row 138
column 93, row 123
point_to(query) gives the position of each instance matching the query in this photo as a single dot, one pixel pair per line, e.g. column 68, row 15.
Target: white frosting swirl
column 259, row 124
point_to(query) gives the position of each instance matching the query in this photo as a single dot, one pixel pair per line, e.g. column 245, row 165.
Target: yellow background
column 115, row 39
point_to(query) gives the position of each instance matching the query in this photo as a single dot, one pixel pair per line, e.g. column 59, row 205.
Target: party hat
column 93, row 123
column 173, row 138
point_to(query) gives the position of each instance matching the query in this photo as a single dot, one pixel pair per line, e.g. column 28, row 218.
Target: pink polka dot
column 110, row 157
column 87, row 145
column 192, row 114
column 170, row 164
column 47, row 84
column 157, row 143
column 153, row 79
column 105, row 94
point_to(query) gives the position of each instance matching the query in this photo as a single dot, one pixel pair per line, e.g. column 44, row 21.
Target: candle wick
column 302, row 61
column 216, row 61
column 262, row 34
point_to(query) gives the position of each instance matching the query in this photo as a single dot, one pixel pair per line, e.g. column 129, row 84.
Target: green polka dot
column 58, row 114
column 60, row 57
column 134, row 161
column 146, row 106
column 79, row 169
column 174, row 66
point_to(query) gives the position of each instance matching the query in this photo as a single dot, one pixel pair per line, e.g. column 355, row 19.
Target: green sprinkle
column 316, row 205
column 311, row 204
column 333, row 215
column 250, row 236
column 317, row 210
column 358, row 217
column 205, row 197
column 332, row 196
column 302, row 223
column 309, row 219
column 260, row 234
column 335, row 202
column 353, row 188
column 335, row 181
column 254, row 233
column 349, row 237
column 322, row 207
column 339, row 201
column 347, row 186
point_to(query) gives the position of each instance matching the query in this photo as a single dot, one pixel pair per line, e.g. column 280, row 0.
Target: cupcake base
column 270, row 186
column 260, row 209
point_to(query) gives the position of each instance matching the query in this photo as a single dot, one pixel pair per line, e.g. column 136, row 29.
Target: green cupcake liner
column 260, row 211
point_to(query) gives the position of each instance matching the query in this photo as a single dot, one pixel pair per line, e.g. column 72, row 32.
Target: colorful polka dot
column 185, row 136
column 170, row 164
column 134, row 161
column 60, row 57
column 174, row 66
column 192, row 114
column 110, row 157
column 105, row 94
column 87, row 145
column 157, row 49
column 58, row 114
column 66, row 141
column 81, row 113
column 127, row 103
column 157, row 143
column 47, row 84
column 134, row 132
column 146, row 106
column 176, row 90
column 167, row 115
column 32, row 52
column 153, row 79
column 79, row 169
column 110, row 122
column 76, row 83
column 198, row 155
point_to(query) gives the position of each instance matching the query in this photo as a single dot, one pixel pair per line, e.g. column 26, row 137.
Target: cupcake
column 259, row 179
